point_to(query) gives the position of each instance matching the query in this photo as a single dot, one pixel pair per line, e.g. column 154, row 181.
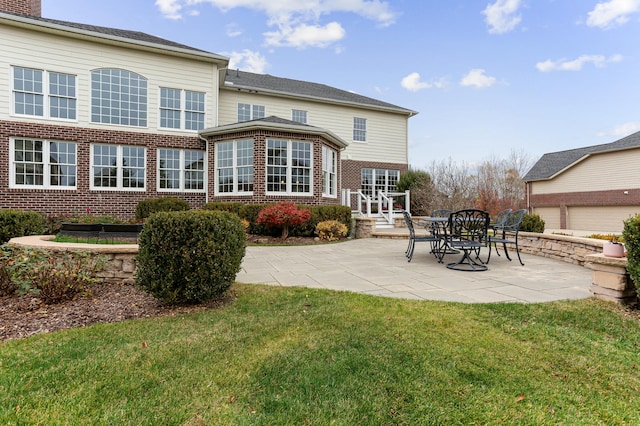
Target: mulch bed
column 26, row 315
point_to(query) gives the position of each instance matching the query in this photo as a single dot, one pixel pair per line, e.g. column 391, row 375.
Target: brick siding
column 23, row 7
column 54, row 202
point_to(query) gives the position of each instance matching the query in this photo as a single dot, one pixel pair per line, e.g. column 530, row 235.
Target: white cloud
column 626, row 129
column 413, row 83
column 477, row 78
column 502, row 16
column 304, row 35
column 296, row 22
column 612, row 13
column 233, row 30
column 598, row 61
column 170, row 8
column 247, row 60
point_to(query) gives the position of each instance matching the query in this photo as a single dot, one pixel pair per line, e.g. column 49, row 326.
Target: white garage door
column 599, row 219
column 550, row 215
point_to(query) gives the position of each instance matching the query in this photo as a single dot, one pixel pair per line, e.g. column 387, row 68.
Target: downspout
column 206, row 168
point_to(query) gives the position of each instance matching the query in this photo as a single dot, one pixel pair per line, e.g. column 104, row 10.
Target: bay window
column 329, row 168
column 234, row 167
column 289, row 167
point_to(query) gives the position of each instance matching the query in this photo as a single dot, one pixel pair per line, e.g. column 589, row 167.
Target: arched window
column 118, row 97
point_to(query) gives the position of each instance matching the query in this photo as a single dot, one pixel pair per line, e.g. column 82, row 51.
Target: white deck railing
column 384, row 202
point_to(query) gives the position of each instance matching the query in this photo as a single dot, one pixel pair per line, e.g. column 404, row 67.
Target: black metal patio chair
column 413, row 238
column 508, row 234
column 467, row 232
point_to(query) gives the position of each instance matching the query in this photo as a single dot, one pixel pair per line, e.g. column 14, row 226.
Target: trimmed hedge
column 146, row 208
column 631, row 235
column 17, row 223
column 532, row 223
column 189, row 257
column 319, row 214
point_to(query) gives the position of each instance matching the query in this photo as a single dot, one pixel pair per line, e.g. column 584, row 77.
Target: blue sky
column 487, row 77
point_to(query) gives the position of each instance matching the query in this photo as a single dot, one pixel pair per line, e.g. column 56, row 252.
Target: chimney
column 22, row 7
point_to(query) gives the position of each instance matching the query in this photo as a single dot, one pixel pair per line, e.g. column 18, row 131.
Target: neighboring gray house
column 594, row 188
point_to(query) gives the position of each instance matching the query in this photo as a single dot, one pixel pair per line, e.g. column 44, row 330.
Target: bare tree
column 454, row 184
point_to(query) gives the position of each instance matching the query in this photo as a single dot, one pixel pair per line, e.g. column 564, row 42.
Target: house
column 95, row 118
column 594, row 188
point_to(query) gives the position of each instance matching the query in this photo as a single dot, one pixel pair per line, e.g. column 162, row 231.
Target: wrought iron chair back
column 508, row 234
column 413, row 238
column 467, row 231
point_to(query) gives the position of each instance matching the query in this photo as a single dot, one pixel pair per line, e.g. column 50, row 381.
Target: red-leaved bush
column 283, row 215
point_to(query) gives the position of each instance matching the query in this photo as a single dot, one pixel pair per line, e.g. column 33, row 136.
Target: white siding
column 53, row 53
column 600, row 172
column 607, row 219
column 386, row 132
column 550, row 215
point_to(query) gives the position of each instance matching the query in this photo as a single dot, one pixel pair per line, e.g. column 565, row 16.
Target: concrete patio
column 377, row 266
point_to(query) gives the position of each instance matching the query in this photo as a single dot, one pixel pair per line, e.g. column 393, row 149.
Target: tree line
column 493, row 185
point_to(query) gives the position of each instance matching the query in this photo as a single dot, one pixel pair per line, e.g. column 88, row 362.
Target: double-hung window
column 181, row 109
column 329, row 168
column 299, row 116
column 43, row 164
column 118, row 167
column 180, row 170
column 46, row 94
column 234, row 167
column 248, row 112
column 118, row 97
column 289, row 167
column 359, row 129
column 375, row 180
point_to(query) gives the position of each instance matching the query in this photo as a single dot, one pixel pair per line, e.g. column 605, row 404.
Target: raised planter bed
column 101, row 230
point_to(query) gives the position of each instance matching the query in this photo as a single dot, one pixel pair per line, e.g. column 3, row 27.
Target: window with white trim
column 43, row 164
column 118, row 97
column 329, row 168
column 180, row 170
column 299, row 116
column 234, row 167
column 181, row 109
column 47, row 94
column 289, row 167
column 247, row 112
column 359, row 129
column 375, row 180
column 118, row 167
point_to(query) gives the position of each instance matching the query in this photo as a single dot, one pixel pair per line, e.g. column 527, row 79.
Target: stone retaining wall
column 121, row 258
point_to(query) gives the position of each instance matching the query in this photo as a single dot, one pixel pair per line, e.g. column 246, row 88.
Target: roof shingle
column 286, row 86
column 554, row 162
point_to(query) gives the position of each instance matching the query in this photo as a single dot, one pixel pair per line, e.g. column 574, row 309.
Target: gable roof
column 553, row 163
column 286, row 87
column 106, row 34
column 276, row 124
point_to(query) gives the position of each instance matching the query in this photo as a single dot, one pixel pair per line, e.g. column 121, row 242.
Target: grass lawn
column 295, row 356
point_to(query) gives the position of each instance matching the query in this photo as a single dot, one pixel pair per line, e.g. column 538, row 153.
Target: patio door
column 375, row 180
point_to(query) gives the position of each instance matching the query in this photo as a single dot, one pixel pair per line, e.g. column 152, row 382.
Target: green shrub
column 189, row 257
column 146, row 208
column 331, row 230
column 52, row 276
column 7, row 285
column 631, row 234
column 532, row 223
column 318, row 214
column 17, row 223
